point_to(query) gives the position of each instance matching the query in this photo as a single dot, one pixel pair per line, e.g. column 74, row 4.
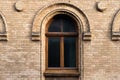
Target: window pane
column 62, row 23
column 69, row 26
column 70, row 52
column 53, row 52
column 55, row 26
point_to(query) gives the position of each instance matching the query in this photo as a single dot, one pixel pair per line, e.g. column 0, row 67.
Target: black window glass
column 55, row 26
column 62, row 23
column 70, row 52
column 53, row 52
column 68, row 25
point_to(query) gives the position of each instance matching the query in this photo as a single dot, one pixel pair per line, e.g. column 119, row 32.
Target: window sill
column 61, row 73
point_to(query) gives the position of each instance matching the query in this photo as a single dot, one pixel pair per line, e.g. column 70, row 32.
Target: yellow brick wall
column 24, row 59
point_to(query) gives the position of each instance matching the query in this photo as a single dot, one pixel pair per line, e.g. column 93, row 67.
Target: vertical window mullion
column 62, row 47
column 62, row 52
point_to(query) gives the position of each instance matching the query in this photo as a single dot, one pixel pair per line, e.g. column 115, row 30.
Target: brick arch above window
column 49, row 11
column 116, row 27
column 3, row 33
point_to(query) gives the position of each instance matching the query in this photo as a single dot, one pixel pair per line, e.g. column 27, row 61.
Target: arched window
column 64, row 26
column 61, row 43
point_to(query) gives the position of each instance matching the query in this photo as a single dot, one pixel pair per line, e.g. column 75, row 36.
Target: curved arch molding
column 46, row 13
column 3, row 33
column 116, row 27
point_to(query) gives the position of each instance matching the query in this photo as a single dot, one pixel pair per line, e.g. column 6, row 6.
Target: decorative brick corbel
column 35, row 36
column 3, row 34
column 116, row 36
column 3, row 37
column 87, row 36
